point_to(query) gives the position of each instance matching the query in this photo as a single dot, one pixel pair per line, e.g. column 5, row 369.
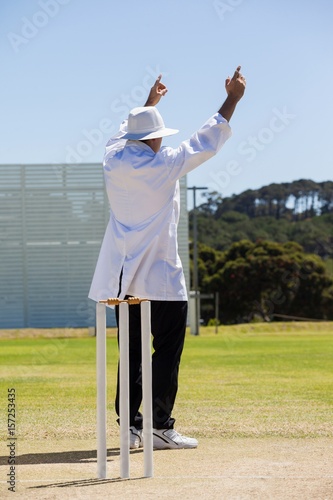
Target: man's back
column 139, row 185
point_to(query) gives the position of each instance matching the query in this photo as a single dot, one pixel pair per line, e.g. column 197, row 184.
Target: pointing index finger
column 236, row 74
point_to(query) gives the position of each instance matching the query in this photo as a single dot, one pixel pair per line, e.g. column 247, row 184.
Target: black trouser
column 168, row 325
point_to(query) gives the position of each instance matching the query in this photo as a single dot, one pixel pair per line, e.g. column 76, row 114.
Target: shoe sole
column 169, row 447
column 172, row 446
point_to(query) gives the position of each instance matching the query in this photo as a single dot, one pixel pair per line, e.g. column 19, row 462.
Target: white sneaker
column 169, row 439
column 136, row 438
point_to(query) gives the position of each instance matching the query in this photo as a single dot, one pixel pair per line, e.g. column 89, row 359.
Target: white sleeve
column 115, row 143
column 203, row 145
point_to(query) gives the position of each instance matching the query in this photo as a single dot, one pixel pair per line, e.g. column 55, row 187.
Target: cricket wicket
column 124, row 385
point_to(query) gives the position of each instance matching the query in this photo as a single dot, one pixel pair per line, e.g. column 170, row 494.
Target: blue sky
column 72, row 70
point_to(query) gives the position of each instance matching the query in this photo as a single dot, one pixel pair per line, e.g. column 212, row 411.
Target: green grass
column 247, row 380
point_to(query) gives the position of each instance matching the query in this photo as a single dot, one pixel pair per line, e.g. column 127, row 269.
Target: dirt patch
column 227, row 469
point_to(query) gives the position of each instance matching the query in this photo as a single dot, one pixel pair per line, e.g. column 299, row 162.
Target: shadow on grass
column 62, row 457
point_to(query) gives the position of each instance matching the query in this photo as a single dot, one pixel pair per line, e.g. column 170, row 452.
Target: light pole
column 195, row 260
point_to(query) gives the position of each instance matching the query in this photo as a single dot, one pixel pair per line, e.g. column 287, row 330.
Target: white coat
column 143, row 191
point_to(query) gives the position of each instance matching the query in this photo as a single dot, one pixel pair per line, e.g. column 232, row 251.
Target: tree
column 313, row 233
column 264, row 279
column 302, row 198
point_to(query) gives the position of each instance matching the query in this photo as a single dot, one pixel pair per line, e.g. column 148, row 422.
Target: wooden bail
column 116, row 302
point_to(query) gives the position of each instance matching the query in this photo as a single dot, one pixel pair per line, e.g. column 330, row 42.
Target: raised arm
column 235, row 88
column 157, row 91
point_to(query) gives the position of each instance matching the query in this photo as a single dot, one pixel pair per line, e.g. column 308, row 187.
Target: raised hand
column 235, row 86
column 157, row 91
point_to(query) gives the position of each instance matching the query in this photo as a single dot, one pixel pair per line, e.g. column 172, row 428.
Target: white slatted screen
column 52, row 221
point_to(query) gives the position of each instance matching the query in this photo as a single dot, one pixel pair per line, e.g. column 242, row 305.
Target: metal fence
column 52, row 221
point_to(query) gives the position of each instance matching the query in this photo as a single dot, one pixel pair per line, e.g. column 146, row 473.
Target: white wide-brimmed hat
column 146, row 123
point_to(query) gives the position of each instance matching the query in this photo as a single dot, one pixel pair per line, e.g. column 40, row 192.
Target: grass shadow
column 61, row 457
